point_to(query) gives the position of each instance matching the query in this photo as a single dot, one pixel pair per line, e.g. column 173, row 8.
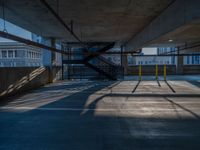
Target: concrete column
column 53, row 60
column 125, row 63
column 179, row 66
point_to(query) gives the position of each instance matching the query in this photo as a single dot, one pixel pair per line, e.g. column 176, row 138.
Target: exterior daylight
column 100, row 75
column 13, row 54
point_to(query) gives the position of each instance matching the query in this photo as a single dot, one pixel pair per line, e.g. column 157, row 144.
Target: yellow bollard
column 165, row 72
column 140, row 72
column 156, row 72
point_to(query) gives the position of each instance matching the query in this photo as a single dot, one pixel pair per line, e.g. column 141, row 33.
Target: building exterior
column 149, row 60
column 46, row 54
column 192, row 60
column 166, row 50
column 188, row 60
column 154, row 60
column 14, row 54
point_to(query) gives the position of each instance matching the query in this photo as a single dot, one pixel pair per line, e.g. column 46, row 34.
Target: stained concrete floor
column 88, row 115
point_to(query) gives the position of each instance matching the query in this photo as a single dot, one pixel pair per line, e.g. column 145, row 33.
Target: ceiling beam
column 178, row 14
column 29, row 42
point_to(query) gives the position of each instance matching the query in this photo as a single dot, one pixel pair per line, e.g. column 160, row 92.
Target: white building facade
column 14, row 54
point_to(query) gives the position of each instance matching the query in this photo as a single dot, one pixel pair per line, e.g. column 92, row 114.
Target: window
column 4, row 54
column 29, row 54
column 16, row 53
column 192, row 60
column 10, row 54
column 1, row 64
column 197, row 60
column 188, row 60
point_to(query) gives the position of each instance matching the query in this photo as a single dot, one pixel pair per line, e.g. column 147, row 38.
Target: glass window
column 16, row 53
column 4, row 54
column 10, row 54
column 188, row 60
column 193, row 60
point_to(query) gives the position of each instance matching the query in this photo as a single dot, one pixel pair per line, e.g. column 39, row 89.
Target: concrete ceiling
column 178, row 25
column 94, row 20
column 186, row 34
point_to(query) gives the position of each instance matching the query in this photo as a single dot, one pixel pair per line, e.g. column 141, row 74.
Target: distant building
column 188, row 60
column 192, row 60
column 153, row 60
column 14, row 54
column 166, row 50
column 46, row 54
column 149, row 60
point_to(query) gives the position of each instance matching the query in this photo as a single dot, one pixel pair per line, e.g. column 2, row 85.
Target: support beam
column 177, row 15
column 101, row 51
column 42, row 46
column 44, row 2
column 73, row 62
column 29, row 42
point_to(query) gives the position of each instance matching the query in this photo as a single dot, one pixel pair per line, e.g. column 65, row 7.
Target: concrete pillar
column 125, row 63
column 179, row 67
column 53, row 60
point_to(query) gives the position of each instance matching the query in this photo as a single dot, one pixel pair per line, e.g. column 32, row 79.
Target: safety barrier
column 156, row 72
column 156, row 77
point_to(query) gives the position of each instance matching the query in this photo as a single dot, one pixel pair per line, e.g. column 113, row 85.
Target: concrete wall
column 20, row 79
column 191, row 69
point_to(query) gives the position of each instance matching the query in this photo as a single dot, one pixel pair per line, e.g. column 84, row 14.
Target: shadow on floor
column 73, row 130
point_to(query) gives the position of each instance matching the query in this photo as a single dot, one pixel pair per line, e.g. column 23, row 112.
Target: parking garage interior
column 107, row 92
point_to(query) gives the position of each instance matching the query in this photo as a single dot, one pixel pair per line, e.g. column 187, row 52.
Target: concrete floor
column 87, row 115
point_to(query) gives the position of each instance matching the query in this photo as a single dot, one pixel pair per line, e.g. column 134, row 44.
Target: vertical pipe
column 140, row 72
column 121, row 55
column 165, row 72
column 62, row 63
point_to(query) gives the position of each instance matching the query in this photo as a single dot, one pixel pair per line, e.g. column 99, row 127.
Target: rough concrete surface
column 88, row 115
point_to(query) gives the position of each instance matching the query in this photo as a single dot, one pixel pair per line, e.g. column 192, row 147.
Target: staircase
column 100, row 64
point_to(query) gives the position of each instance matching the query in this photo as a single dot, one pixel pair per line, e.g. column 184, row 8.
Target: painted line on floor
column 98, row 109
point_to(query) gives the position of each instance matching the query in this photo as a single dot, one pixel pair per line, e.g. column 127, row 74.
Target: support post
column 53, row 59
column 179, row 66
column 156, row 72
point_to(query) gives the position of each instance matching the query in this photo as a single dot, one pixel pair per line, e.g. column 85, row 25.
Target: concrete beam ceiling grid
column 94, row 20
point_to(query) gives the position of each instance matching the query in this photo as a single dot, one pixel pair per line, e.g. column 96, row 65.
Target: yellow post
column 140, row 72
column 156, row 72
column 165, row 72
